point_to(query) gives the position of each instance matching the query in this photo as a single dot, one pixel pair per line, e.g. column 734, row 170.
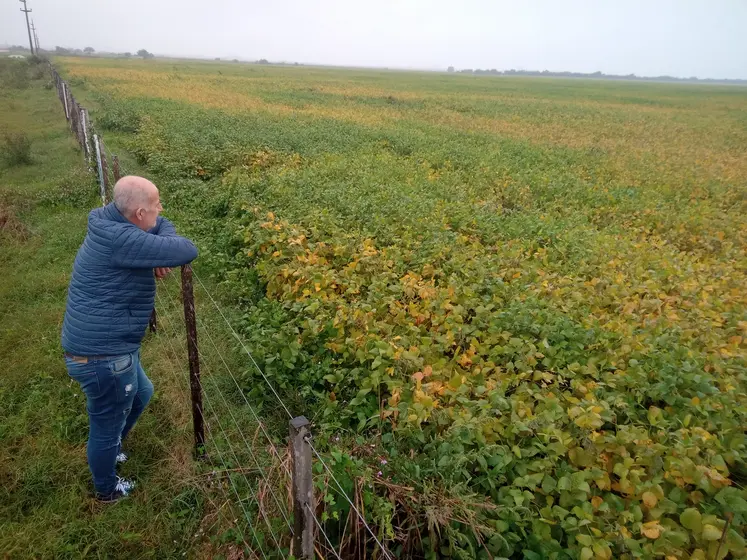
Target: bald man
column 110, row 300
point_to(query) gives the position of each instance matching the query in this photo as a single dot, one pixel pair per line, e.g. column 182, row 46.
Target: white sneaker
column 121, row 490
column 124, row 485
column 122, row 458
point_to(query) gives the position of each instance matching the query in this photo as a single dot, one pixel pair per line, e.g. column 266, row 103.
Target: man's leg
column 142, row 397
column 110, row 387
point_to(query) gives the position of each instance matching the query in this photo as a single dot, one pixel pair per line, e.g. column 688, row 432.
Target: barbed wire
column 235, row 334
column 217, row 448
column 344, row 495
column 243, row 437
column 207, row 424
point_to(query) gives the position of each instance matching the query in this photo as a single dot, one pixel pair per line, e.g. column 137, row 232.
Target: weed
column 17, row 149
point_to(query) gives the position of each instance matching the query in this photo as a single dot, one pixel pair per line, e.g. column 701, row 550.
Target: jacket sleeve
column 135, row 248
column 163, row 227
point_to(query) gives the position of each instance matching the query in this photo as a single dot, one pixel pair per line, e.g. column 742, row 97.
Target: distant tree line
column 597, row 75
column 64, row 51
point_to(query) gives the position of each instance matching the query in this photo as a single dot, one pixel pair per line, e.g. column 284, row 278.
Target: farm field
column 515, row 309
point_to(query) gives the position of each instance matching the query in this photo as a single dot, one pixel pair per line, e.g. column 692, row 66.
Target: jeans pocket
column 121, row 364
column 124, row 376
column 86, row 377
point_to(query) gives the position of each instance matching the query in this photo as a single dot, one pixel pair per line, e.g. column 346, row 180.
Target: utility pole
column 36, row 37
column 28, row 27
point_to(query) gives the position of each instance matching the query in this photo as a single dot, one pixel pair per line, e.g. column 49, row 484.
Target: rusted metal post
column 104, row 166
column 188, row 297
column 84, row 128
column 102, row 190
column 303, row 490
column 64, row 100
column 115, row 168
column 86, row 132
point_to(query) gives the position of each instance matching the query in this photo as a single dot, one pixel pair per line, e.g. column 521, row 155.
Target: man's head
column 137, row 199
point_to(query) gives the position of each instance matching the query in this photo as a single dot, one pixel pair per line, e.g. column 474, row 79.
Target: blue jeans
column 117, row 391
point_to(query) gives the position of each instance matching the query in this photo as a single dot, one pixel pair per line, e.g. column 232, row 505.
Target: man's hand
column 161, row 272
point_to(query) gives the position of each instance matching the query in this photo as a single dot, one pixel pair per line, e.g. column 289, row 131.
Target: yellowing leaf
column 597, row 501
column 649, row 499
column 602, row 551
column 651, row 530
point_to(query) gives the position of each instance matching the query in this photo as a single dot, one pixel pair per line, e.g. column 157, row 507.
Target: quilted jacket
column 111, row 292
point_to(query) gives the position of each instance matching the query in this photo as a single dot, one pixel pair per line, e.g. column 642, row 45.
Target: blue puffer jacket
column 112, row 288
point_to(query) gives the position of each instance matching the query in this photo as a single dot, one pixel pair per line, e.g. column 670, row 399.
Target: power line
column 28, row 27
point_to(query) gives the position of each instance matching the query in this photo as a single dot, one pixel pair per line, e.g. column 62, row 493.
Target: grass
column 46, row 509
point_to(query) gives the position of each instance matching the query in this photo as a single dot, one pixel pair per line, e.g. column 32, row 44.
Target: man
column 110, row 299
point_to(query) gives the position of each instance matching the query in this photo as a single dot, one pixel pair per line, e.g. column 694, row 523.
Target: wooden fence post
column 115, row 169
column 303, row 490
column 195, row 386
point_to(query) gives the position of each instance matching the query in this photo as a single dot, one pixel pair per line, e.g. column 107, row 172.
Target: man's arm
column 163, row 227
column 135, row 248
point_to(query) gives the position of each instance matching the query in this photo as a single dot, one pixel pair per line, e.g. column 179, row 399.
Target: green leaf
column 711, row 533
column 548, row 484
column 735, row 541
column 690, row 519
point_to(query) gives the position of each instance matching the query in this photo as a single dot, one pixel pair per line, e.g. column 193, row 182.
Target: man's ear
column 139, row 213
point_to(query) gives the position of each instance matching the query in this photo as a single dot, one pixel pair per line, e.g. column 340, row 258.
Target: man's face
column 146, row 217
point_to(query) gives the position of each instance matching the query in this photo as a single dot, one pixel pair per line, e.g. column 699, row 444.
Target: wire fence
column 266, row 484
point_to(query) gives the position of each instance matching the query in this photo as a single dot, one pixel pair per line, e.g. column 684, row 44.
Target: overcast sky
column 704, row 38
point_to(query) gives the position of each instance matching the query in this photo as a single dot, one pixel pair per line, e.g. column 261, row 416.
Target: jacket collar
column 112, row 213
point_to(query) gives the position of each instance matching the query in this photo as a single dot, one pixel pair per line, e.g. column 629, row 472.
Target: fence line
column 254, row 414
column 220, row 455
column 304, row 506
column 184, row 396
column 308, row 440
column 243, row 437
column 274, row 392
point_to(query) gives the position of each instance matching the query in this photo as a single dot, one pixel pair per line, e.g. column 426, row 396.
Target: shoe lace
column 123, row 486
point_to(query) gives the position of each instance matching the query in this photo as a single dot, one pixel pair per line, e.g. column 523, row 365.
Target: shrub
column 17, row 149
column 14, row 74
